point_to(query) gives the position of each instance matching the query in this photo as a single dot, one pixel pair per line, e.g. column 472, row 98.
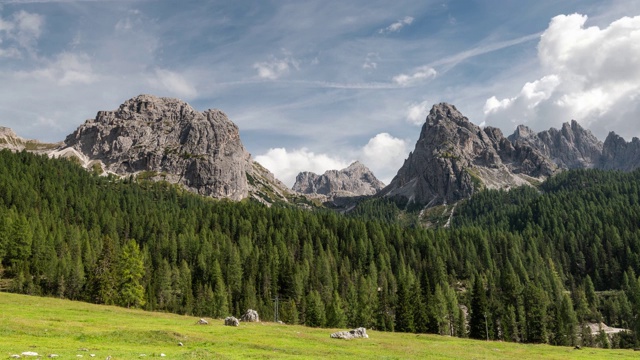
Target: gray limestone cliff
column 166, row 139
column 571, row 147
column 9, row 140
column 617, row 154
column 355, row 180
column 453, row 158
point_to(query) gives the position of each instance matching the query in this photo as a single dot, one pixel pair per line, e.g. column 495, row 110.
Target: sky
column 315, row 85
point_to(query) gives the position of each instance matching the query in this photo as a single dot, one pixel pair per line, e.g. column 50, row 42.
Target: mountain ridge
column 453, row 158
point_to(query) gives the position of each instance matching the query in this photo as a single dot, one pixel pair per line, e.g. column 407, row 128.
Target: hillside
column 66, row 328
column 67, row 233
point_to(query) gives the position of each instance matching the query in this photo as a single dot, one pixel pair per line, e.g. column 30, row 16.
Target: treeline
column 506, row 270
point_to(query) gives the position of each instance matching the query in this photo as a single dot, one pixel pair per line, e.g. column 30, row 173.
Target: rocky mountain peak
column 570, row 147
column 166, row 139
column 10, row 140
column 454, row 157
column 354, row 180
column 617, row 154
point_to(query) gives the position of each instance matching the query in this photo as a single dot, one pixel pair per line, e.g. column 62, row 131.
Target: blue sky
column 314, row 85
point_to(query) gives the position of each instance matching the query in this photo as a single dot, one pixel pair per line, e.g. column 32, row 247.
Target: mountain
column 453, row 158
column 617, row 154
column 157, row 138
column 9, row 140
column 571, row 147
column 355, row 180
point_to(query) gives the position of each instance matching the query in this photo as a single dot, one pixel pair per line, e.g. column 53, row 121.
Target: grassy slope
column 47, row 325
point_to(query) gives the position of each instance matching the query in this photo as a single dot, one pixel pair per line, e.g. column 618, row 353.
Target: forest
column 530, row 265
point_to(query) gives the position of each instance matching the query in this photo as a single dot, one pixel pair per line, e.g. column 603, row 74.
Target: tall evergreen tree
column 130, row 274
column 478, row 317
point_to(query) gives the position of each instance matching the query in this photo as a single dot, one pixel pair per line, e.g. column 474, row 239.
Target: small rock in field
column 180, row 344
column 203, row 322
column 15, row 356
column 29, row 353
column 53, row 355
column 162, row 355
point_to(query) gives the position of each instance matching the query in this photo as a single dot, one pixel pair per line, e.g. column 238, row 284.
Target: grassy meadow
column 69, row 329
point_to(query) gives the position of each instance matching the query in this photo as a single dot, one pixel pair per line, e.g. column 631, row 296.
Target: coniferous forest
column 528, row 265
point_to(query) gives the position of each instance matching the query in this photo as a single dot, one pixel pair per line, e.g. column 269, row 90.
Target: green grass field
column 68, row 329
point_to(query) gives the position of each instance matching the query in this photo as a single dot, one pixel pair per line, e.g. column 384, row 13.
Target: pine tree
column 104, row 278
column 130, row 274
column 315, row 312
column 478, row 316
column 405, row 307
column 336, row 317
column 536, row 314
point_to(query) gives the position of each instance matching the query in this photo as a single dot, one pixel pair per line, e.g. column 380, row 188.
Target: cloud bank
column 383, row 155
column 592, row 75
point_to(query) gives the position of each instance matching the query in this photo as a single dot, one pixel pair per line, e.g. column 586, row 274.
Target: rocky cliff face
column 571, row 147
column 166, row 139
column 617, row 154
column 355, row 180
column 454, row 157
column 9, row 140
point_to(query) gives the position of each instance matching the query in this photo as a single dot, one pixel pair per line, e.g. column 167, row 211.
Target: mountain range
column 166, row 139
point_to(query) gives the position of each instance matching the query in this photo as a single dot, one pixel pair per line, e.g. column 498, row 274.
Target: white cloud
column 21, row 31
column 421, row 74
column 417, row 113
column 396, row 26
column 383, row 154
column 287, row 164
column 66, row 69
column 370, row 61
column 592, row 76
column 173, row 83
column 275, row 68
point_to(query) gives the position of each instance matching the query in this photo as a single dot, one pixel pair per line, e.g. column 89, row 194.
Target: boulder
column 250, row 316
column 351, row 334
column 231, row 321
column 203, row 322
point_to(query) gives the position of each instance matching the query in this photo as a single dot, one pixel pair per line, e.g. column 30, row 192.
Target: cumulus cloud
column 592, row 76
column 421, row 74
column 396, row 26
column 417, row 112
column 287, row 164
column 383, row 154
column 276, row 67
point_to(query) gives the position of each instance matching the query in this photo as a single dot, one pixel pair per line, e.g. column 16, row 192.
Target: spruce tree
column 479, row 308
column 130, row 274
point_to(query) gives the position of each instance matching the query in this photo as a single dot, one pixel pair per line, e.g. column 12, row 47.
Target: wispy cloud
column 453, row 60
column 276, row 67
column 421, row 74
column 396, row 26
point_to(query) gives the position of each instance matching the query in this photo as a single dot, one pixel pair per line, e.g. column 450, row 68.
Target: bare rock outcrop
column 359, row 333
column 166, row 139
column 617, row 154
column 453, row 158
column 10, row 140
column 355, row 180
column 571, row 147
column 231, row 321
column 250, row 316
